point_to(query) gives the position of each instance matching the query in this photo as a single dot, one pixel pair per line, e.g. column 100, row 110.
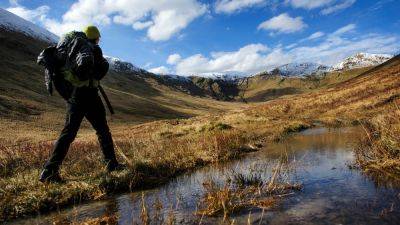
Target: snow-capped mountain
column 224, row 76
column 297, row 70
column 360, row 60
column 176, row 77
column 12, row 22
column 120, row 65
column 300, row 69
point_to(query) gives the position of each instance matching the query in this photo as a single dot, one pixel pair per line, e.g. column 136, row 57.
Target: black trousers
column 85, row 103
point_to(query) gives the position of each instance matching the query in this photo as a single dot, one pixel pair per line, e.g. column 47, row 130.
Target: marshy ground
column 314, row 185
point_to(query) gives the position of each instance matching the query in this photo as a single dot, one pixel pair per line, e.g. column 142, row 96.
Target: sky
column 202, row 37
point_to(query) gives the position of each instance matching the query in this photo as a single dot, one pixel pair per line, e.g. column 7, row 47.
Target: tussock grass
column 105, row 220
column 379, row 151
column 152, row 160
column 245, row 192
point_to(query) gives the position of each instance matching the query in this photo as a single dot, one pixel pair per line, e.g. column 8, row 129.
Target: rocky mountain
column 229, row 76
column 299, row 69
column 361, row 60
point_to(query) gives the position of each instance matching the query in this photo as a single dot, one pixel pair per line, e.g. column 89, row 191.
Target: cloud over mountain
column 254, row 58
column 283, row 23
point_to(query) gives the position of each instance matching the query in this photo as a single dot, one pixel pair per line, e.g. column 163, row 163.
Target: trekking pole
column 103, row 93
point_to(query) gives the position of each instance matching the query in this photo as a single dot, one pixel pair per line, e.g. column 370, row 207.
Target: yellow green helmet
column 92, row 32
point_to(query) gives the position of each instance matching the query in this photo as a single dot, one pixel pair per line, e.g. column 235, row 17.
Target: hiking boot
column 111, row 167
column 50, row 176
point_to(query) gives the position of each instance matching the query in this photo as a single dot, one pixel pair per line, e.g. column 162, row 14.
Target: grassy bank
column 154, row 152
column 379, row 151
column 159, row 150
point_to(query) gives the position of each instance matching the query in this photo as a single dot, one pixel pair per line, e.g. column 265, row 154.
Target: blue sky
column 225, row 36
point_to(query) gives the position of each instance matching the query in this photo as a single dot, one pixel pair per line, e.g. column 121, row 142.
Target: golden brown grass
column 245, row 192
column 105, row 220
column 379, row 151
column 262, row 88
column 162, row 149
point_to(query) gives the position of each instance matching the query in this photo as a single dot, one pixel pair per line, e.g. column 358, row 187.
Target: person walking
column 83, row 101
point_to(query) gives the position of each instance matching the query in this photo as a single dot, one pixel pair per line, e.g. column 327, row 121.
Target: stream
column 332, row 193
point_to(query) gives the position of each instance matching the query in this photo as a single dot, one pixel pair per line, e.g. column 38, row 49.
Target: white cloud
column 35, row 15
column 345, row 29
column 231, row 6
column 315, row 35
column 162, row 19
column 283, row 24
column 162, row 70
column 255, row 58
column 309, row 4
column 331, row 6
column 173, row 59
column 249, row 58
column 343, row 5
column 291, row 46
column 142, row 25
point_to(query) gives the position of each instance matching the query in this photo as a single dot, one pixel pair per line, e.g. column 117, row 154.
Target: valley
column 168, row 125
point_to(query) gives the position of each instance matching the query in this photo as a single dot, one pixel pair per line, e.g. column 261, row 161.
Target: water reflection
column 332, row 193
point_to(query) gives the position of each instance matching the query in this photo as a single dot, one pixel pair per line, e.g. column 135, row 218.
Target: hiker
column 83, row 66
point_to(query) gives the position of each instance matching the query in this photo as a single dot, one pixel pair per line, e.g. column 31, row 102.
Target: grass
column 245, row 192
column 105, row 220
column 265, row 87
column 379, row 151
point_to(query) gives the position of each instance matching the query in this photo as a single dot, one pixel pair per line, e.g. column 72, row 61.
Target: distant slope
column 265, row 86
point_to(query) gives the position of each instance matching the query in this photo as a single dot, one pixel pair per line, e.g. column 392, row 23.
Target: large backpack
column 69, row 64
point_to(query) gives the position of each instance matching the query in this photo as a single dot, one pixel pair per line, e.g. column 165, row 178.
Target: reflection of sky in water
column 332, row 193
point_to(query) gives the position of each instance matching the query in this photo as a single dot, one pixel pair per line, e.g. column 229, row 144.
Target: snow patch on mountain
column 175, row 77
column 300, row 69
column 12, row 22
column 361, row 60
column 229, row 76
column 120, row 65
column 297, row 70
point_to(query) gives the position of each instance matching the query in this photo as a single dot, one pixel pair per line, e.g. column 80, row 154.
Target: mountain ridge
column 12, row 22
column 360, row 60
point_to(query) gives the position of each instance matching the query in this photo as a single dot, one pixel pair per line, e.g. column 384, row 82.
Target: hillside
column 266, row 86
